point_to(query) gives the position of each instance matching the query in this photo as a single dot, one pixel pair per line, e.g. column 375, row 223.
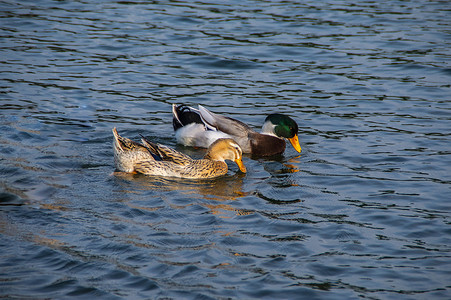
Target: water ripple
column 362, row 212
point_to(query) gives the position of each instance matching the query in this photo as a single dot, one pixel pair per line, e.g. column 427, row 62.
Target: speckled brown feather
column 156, row 159
column 127, row 153
column 202, row 168
column 166, row 153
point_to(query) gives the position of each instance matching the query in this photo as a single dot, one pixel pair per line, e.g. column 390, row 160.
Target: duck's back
column 205, row 168
column 196, row 169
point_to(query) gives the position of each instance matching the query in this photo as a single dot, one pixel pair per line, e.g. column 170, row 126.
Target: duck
column 150, row 158
column 201, row 127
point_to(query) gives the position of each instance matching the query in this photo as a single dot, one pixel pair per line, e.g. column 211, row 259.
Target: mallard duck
column 200, row 128
column 155, row 159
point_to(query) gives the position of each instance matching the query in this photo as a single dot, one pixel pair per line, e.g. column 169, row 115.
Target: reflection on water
column 292, row 165
column 362, row 212
column 225, row 188
column 229, row 188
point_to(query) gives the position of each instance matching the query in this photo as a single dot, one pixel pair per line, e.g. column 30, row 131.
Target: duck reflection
column 226, row 188
column 292, row 165
column 273, row 165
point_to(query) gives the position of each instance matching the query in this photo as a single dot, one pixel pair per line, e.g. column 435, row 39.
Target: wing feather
column 166, row 153
column 225, row 124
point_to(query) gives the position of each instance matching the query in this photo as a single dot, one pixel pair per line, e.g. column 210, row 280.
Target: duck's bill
column 295, row 143
column 240, row 164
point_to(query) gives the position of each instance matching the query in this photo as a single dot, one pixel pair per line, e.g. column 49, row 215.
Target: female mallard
column 155, row 159
column 200, row 127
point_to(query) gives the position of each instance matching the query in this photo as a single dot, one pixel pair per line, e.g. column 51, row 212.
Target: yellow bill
column 295, row 143
column 240, row 164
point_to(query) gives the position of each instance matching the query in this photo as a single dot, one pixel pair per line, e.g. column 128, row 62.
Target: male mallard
column 200, row 127
column 155, row 159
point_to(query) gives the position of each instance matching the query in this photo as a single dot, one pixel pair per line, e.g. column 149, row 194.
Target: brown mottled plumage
column 127, row 153
column 155, row 159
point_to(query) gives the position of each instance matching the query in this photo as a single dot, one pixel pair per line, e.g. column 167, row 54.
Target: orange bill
column 240, row 164
column 295, row 143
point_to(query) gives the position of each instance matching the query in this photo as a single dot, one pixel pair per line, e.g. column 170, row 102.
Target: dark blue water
column 362, row 212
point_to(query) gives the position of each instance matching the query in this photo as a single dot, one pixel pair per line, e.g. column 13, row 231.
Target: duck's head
column 284, row 127
column 226, row 149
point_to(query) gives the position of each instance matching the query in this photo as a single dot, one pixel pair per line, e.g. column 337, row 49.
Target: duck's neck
column 208, row 156
column 212, row 156
column 268, row 129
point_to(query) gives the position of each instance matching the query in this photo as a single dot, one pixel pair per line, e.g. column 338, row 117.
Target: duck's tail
column 184, row 115
column 127, row 153
column 118, row 142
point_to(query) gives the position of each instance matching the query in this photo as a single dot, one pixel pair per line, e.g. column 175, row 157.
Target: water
column 363, row 212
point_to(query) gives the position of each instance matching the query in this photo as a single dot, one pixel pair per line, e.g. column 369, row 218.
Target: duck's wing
column 227, row 125
column 164, row 153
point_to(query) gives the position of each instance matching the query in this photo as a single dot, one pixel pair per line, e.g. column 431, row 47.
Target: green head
column 284, row 127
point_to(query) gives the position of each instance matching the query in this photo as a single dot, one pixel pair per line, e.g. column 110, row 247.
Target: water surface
column 362, row 212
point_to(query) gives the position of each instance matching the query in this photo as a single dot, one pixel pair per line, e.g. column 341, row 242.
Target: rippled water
column 363, row 212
